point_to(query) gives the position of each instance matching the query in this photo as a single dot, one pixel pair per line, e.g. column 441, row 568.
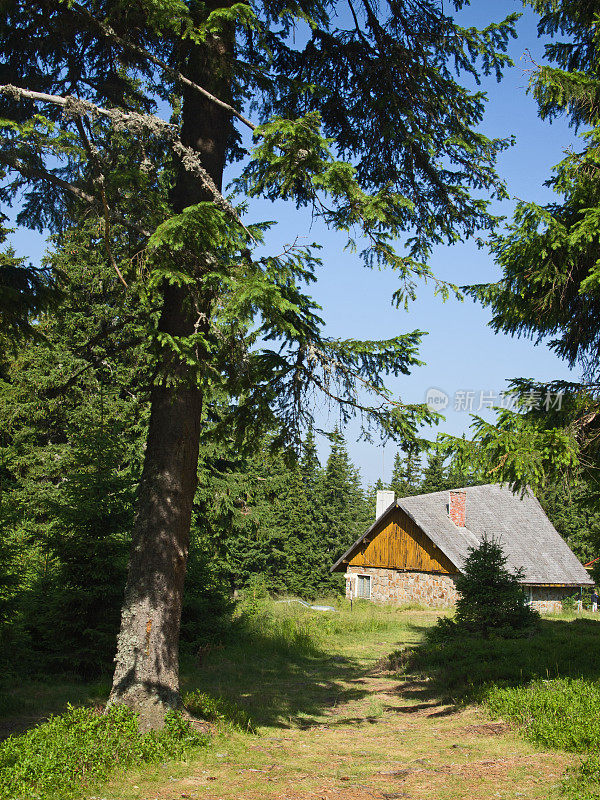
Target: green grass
column 69, row 753
column 217, row 709
column 283, row 663
column 282, row 666
column 276, row 664
column 546, row 683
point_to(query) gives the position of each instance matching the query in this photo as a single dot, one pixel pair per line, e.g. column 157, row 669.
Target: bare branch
column 133, row 122
column 142, row 52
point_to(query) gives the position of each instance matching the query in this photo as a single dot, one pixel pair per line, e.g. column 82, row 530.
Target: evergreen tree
column 292, row 514
column 266, row 518
column 345, row 510
column 234, row 492
column 397, row 482
column 406, row 474
column 371, row 499
column 310, row 467
column 71, row 611
column 550, row 256
column 72, row 415
column 491, row 597
column 573, row 510
column 310, row 562
column 9, row 585
column 435, row 473
column 421, row 165
column 24, row 293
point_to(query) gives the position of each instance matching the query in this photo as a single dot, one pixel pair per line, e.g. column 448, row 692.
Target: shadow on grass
column 459, row 668
column 276, row 665
column 278, row 673
column 26, row 703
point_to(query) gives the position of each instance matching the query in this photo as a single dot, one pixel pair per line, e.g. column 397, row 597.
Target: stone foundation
column 396, row 586
column 437, row 590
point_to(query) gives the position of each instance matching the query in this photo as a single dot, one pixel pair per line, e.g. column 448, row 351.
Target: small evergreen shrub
column 491, row 597
column 62, row 757
column 569, row 604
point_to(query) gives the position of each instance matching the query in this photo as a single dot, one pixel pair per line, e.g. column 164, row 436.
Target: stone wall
column 437, row 590
column 395, row 586
column 548, row 599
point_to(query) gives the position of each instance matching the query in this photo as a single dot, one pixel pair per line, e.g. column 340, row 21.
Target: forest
column 264, row 521
column 165, row 364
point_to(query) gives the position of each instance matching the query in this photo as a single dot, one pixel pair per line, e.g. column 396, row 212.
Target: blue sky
column 460, row 351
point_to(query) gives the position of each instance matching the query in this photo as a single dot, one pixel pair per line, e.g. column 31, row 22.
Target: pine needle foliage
column 550, row 256
column 363, row 119
column 491, row 598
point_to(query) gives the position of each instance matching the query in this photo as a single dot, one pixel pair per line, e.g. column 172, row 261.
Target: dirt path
column 393, row 742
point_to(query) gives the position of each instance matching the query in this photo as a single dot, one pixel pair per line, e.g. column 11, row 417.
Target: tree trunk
column 147, row 662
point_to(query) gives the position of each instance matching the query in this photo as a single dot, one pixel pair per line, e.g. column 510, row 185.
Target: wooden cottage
column 417, row 546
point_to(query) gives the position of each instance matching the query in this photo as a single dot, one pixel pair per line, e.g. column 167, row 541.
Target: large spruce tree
column 359, row 116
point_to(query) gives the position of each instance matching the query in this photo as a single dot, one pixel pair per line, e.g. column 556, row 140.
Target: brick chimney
column 385, row 498
column 457, row 508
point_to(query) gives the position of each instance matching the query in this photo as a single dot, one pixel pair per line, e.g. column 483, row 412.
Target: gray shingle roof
column 527, row 536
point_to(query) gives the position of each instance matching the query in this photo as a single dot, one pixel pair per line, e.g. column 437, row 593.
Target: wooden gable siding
column 400, row 544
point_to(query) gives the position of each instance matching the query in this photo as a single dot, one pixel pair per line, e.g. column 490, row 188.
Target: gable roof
column 528, row 538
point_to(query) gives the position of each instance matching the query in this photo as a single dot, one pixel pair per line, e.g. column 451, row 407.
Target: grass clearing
column 309, row 705
column 332, row 721
column 546, row 683
column 275, row 667
column 283, row 664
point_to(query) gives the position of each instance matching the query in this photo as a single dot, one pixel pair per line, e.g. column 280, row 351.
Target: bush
column 569, row 604
column 545, row 682
column 563, row 714
column 491, row 597
column 583, row 782
column 60, row 758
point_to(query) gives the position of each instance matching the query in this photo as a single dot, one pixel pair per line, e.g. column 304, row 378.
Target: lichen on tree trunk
column 147, row 662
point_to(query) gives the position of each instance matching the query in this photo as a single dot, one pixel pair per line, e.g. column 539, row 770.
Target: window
column 363, row 588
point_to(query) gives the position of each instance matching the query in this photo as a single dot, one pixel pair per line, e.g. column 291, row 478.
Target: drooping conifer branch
column 30, row 171
column 99, row 177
